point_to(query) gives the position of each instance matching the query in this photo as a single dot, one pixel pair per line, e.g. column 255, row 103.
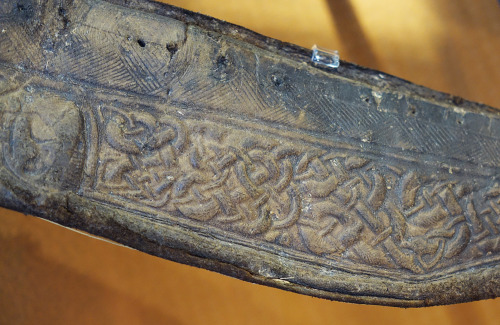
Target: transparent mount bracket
column 325, row 57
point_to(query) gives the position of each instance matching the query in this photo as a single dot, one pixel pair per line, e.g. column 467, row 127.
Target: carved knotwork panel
column 326, row 203
column 201, row 142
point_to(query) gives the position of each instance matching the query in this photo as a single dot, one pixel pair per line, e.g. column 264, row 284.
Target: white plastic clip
column 322, row 56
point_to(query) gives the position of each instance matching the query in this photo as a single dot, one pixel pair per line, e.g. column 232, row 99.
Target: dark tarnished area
column 204, row 143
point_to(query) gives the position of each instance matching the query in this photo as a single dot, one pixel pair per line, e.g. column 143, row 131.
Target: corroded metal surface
column 204, row 143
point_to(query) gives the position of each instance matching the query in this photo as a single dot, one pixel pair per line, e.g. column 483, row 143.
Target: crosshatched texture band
column 204, row 143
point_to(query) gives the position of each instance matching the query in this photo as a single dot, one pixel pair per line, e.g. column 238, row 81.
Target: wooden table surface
column 51, row 275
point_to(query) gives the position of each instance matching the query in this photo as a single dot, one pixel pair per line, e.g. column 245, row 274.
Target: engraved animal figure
column 38, row 147
column 148, row 147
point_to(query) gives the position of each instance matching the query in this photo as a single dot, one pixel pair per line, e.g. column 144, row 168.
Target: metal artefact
column 204, row 143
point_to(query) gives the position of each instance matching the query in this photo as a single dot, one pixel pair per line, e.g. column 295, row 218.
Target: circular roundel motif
column 43, row 134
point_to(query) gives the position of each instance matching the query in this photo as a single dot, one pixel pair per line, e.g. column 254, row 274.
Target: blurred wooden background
column 51, row 275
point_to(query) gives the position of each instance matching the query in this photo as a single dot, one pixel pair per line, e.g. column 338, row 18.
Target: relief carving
column 201, row 142
column 332, row 203
column 41, row 138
